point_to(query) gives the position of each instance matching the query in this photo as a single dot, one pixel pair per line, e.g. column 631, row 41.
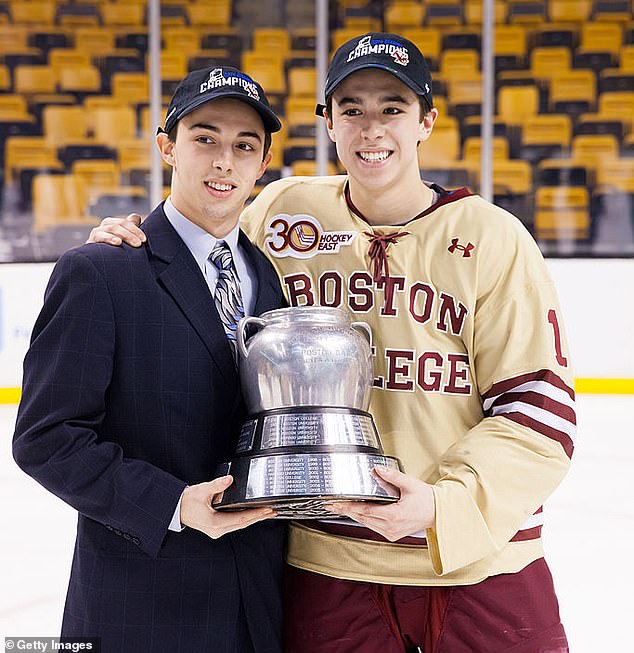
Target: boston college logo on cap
column 367, row 46
column 218, row 78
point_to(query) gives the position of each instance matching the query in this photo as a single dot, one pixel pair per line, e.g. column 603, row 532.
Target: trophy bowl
column 306, row 376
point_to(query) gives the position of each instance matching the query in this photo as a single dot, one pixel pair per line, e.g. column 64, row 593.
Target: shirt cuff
column 175, row 524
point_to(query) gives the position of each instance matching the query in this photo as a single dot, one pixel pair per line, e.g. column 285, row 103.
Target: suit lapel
column 178, row 273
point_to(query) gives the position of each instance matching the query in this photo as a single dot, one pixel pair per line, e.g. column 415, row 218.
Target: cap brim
column 269, row 119
column 364, row 65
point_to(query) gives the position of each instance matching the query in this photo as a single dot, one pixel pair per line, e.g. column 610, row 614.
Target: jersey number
column 552, row 318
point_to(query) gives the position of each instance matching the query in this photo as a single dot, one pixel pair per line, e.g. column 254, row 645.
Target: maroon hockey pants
column 510, row 612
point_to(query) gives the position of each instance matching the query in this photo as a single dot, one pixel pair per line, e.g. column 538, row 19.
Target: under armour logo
column 465, row 249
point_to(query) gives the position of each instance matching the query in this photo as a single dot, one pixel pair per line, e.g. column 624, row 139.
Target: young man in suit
column 131, row 398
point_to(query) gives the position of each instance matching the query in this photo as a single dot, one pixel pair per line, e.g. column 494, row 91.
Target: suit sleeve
column 67, row 372
column 493, row 482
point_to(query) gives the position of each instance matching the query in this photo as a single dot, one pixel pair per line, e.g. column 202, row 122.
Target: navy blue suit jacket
column 130, row 393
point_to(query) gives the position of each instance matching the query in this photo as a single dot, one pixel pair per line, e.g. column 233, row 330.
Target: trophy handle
column 364, row 327
column 242, row 327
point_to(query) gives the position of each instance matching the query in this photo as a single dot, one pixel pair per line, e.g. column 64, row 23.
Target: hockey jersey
column 473, row 383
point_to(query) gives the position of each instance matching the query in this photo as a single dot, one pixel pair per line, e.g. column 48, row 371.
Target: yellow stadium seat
column 562, row 213
column 64, row 124
column 61, row 58
column 173, row 64
column 547, row 62
column 456, row 63
column 13, row 38
column 93, row 177
column 29, row 152
column 271, row 40
column 443, row 146
column 619, row 12
column 627, row 59
column 446, row 13
column 131, row 87
column 617, row 174
column 428, row 40
column 13, row 105
column 302, row 82
column 269, row 76
column 56, row 201
column 572, row 86
column 135, row 154
column 563, row 11
column 472, row 148
column 185, row 40
column 510, row 40
column 205, row 14
column 300, row 111
column 5, row 78
column 362, row 23
column 547, row 129
column 512, row 177
column 95, row 41
column 516, row 103
column 34, row 12
column 35, row 79
column 122, row 13
column 595, row 149
column 401, row 15
column 465, row 88
column 619, row 106
column 80, row 79
column 113, row 123
column 601, row 37
column 473, row 12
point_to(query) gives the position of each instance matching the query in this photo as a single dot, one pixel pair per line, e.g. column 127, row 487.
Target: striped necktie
column 227, row 297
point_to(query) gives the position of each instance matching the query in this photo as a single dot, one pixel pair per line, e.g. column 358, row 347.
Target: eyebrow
column 216, row 130
column 385, row 99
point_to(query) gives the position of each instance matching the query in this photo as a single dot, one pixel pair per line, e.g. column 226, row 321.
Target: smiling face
column 216, row 158
column 376, row 124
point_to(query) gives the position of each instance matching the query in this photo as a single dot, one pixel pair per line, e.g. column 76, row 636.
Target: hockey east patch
column 302, row 236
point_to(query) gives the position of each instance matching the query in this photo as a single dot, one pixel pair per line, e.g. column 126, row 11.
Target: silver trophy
column 306, row 376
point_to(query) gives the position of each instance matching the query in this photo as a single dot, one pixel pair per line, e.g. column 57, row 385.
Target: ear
column 427, row 124
column 265, row 163
column 329, row 126
column 166, row 147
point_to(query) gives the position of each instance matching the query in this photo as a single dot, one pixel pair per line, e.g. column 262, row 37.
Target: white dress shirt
column 201, row 243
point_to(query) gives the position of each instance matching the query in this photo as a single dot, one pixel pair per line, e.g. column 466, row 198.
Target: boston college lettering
column 403, row 370
column 423, row 302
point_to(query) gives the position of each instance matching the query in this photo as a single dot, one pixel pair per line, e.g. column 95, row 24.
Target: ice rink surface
column 588, row 533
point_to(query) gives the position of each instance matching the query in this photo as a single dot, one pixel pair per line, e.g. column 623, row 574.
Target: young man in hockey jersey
column 472, row 390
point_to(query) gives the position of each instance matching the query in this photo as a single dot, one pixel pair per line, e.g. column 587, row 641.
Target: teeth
column 374, row 156
column 216, row 186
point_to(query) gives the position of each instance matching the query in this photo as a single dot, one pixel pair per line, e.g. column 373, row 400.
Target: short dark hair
column 424, row 106
column 171, row 135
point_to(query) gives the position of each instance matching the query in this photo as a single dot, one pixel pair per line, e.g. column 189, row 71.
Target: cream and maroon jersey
column 473, row 383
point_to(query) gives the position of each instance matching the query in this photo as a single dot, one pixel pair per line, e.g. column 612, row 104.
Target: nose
column 372, row 128
column 222, row 160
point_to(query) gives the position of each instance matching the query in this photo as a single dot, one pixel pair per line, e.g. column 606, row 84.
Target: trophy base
column 297, row 485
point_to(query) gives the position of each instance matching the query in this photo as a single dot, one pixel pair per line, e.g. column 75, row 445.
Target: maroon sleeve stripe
column 542, row 375
column 554, row 434
column 538, row 400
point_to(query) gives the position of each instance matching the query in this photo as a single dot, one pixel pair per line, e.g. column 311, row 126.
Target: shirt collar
column 199, row 242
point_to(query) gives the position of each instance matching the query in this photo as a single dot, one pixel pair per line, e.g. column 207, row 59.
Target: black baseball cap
column 215, row 83
column 389, row 52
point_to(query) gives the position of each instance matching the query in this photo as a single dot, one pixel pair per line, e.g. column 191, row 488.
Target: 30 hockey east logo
column 302, row 236
column 217, row 78
column 367, row 46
